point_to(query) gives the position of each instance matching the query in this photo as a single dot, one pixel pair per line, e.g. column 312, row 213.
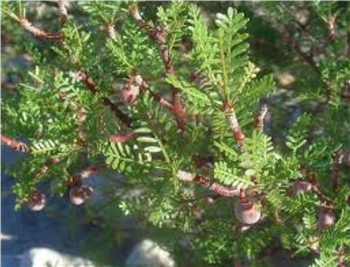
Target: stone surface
column 150, row 254
column 40, row 257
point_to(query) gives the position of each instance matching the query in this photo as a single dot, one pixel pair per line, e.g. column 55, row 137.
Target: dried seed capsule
column 247, row 211
column 326, row 218
column 300, row 187
column 79, row 194
column 36, row 201
column 130, row 93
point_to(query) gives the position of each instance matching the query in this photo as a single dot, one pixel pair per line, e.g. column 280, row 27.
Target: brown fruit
column 130, row 93
column 247, row 211
column 326, row 218
column 36, row 201
column 79, row 194
column 300, row 187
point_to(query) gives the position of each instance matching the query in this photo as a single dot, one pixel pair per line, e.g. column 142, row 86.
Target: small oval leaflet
column 153, row 149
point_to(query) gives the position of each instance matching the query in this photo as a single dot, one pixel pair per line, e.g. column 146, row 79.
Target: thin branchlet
column 17, row 145
column 75, row 179
column 203, row 181
column 234, row 125
column 39, row 33
column 158, row 35
column 93, row 87
column 259, row 119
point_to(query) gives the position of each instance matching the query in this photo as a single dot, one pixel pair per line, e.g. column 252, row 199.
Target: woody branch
column 93, row 87
column 158, row 35
column 17, row 145
column 234, row 125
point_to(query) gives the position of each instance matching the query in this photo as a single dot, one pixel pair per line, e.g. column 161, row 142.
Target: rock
column 149, row 254
column 37, row 257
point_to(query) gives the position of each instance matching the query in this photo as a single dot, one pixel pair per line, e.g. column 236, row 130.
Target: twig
column 220, row 189
column 158, row 35
column 19, row 146
column 39, row 33
column 317, row 190
column 161, row 100
column 234, row 125
column 121, row 137
column 90, row 84
column 259, row 120
column 91, row 170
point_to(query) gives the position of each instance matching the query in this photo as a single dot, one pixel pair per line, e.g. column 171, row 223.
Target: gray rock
column 40, row 257
column 150, row 254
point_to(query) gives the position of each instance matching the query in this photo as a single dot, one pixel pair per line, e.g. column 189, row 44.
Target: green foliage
column 62, row 115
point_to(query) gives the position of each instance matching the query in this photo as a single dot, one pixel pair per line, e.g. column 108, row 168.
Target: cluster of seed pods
column 77, row 195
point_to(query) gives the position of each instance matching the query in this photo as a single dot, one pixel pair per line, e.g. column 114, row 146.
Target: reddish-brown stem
column 158, row 35
column 121, row 137
column 234, row 125
column 259, row 120
column 203, row 181
column 19, row 146
column 39, row 33
column 91, row 170
column 158, row 98
column 90, row 84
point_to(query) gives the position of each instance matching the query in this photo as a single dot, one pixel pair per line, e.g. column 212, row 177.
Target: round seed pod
column 36, row 201
column 300, row 187
column 130, row 93
column 246, row 211
column 326, row 218
column 79, row 194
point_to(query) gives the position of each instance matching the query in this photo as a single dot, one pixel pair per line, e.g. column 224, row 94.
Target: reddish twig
column 220, row 189
column 259, row 120
column 317, row 190
column 158, row 98
column 91, row 170
column 19, row 146
column 90, row 84
column 234, row 125
column 39, row 33
column 158, row 35
column 121, row 137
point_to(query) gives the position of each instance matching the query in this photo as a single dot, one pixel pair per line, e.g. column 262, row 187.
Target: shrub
column 177, row 107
